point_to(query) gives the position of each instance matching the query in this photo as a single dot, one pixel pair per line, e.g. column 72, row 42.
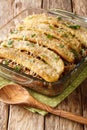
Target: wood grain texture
column 3, row 116
column 6, row 11
column 80, row 7
column 73, row 104
column 19, row 5
column 84, row 100
column 61, row 4
column 21, row 119
column 5, row 15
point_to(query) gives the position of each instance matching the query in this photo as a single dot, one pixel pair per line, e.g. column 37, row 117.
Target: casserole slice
column 48, row 56
column 39, row 67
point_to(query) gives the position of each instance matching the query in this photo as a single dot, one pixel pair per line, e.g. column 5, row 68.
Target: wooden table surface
column 17, row 118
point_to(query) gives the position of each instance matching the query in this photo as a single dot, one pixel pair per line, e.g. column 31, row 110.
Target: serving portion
column 44, row 46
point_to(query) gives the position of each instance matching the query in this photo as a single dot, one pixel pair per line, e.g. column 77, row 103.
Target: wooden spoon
column 16, row 94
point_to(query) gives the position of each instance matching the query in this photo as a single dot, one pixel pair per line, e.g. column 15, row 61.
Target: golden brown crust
column 46, row 40
column 44, row 44
column 34, row 64
column 44, row 53
column 47, row 25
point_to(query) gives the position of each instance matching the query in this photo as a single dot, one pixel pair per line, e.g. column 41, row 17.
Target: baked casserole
column 45, row 47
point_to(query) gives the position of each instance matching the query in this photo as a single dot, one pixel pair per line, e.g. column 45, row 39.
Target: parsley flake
column 59, row 18
column 24, row 38
column 51, row 27
column 33, row 35
column 73, row 26
column 17, row 68
column 49, row 36
column 65, row 35
column 10, row 42
column 5, row 62
column 75, row 53
column 61, row 45
column 14, row 32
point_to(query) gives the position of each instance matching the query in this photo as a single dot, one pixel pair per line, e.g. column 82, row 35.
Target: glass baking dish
column 38, row 85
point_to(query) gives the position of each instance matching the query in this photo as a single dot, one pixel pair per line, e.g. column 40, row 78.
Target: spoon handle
column 68, row 115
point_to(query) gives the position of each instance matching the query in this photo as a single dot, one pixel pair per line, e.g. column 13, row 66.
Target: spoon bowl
column 16, row 94
column 13, row 94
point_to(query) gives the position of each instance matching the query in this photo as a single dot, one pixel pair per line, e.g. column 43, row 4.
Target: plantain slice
column 40, row 18
column 58, row 31
column 78, row 32
column 44, row 53
column 45, row 40
column 37, row 66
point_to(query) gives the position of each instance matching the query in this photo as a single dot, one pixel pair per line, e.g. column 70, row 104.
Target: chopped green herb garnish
column 60, row 30
column 49, row 36
column 27, row 44
column 75, row 53
column 31, row 60
column 5, row 62
column 51, row 27
column 56, row 57
column 61, row 45
column 24, row 38
column 73, row 26
column 65, row 35
column 10, row 42
column 59, row 18
column 33, row 35
column 14, row 32
column 17, row 68
column 31, row 44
